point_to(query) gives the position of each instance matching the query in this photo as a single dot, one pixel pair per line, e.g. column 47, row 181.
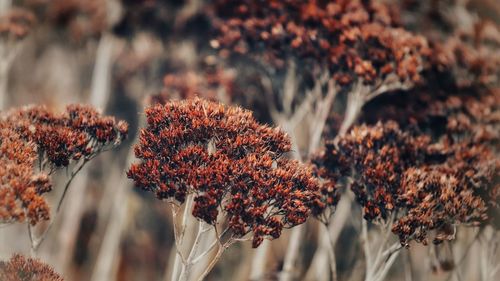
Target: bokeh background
column 119, row 56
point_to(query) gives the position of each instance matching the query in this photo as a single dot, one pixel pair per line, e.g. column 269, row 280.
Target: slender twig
column 331, row 254
column 186, row 268
column 382, row 273
column 215, row 259
column 37, row 241
column 366, row 248
column 292, row 252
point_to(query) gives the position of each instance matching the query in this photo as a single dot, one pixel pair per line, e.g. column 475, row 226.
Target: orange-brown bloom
column 229, row 162
column 351, row 39
column 34, row 142
column 427, row 186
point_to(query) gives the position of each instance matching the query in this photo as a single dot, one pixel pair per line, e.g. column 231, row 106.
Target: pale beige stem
column 105, row 265
column 259, row 261
column 289, row 271
column 338, row 221
column 101, row 76
column 99, row 97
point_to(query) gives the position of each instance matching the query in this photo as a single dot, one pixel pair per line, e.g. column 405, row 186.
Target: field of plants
column 288, row 140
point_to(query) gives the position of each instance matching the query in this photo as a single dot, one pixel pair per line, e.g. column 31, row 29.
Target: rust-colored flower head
column 232, row 165
column 34, row 142
column 19, row 268
column 20, row 186
column 354, row 40
column 425, row 187
column 213, row 84
column 78, row 133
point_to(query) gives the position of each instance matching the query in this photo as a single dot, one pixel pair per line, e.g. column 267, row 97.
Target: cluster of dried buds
column 355, row 40
column 469, row 65
column 232, row 165
column 430, row 181
column 213, row 83
column 35, row 142
column 21, row 187
column 19, row 268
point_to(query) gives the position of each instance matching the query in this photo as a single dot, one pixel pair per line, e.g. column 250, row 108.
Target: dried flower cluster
column 425, row 186
column 21, row 187
column 355, row 40
column 19, row 268
column 230, row 163
column 466, row 63
column 35, row 142
column 213, row 84
column 80, row 18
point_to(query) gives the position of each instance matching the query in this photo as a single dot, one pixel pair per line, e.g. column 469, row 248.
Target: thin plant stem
column 37, row 241
column 331, row 254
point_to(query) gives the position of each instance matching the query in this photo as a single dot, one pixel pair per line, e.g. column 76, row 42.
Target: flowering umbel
column 19, row 268
column 420, row 184
column 35, row 142
column 230, row 164
column 352, row 39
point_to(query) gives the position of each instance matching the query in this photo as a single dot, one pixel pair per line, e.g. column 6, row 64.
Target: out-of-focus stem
column 379, row 265
column 101, row 76
column 331, row 254
column 99, row 97
column 259, row 261
column 337, row 223
column 5, row 6
column 355, row 101
column 292, row 253
column 110, row 245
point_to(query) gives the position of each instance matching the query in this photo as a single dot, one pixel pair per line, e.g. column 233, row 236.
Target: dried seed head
column 224, row 158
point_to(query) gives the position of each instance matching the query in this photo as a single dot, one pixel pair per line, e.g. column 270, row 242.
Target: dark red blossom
column 19, row 268
column 228, row 162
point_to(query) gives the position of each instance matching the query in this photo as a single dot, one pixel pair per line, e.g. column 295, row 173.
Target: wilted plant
column 228, row 171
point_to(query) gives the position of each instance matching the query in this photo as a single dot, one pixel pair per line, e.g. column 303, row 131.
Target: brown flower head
column 34, row 142
column 355, row 40
column 20, row 186
column 214, row 84
column 230, row 164
column 422, row 185
column 19, row 268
